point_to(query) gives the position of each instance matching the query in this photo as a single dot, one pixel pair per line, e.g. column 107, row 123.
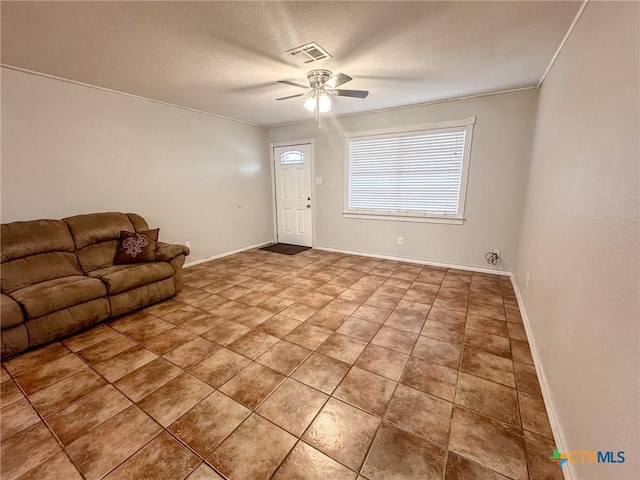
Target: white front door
column 293, row 194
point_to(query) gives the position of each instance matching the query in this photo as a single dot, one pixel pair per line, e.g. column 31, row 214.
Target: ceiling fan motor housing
column 318, row 77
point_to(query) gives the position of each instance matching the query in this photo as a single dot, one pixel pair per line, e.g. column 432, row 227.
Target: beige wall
column 580, row 239
column 500, row 155
column 69, row 149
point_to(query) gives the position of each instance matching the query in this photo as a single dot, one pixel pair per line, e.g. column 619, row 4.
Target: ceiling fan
column 322, row 86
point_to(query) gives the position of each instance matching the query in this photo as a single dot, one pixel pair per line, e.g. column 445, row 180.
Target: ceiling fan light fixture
column 324, row 103
column 310, row 104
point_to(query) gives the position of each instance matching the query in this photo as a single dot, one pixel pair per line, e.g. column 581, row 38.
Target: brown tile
column 292, row 406
column 141, row 382
column 36, row 358
column 144, row 329
column 252, row 385
column 167, row 341
column 517, row 332
column 491, row 311
column 436, row 351
column 102, row 449
column 106, row 349
column 192, row 352
column 220, row 367
column 420, row 413
column 430, row 378
column 534, row 414
column 355, row 294
column 16, row 417
column 253, row 344
column 329, row 289
column 398, row 454
column 25, row 450
column 443, row 331
column 306, row 463
column 90, row 337
column 278, row 326
column 56, row 467
column 315, row 299
column 86, row 414
column 234, row 292
column 395, row 339
column 225, row 332
column 346, row 307
column 431, row 276
column 308, row 336
column 421, row 292
column 342, row 432
column 161, row 309
column 409, row 322
column 252, row 317
column 504, row 453
column 41, row 377
column 275, row 304
column 205, row 426
column 321, row 372
column 538, row 448
column 527, row 379
column 513, row 315
column 65, row 392
column 443, row 315
column 163, row 457
column 4, row 375
column 488, row 366
column 488, row 398
column 10, row 393
column 458, row 294
column 360, row 329
column 244, row 454
column 380, row 301
column 383, row 361
column 487, row 325
column 489, row 343
column 204, row 472
column 521, row 353
column 327, row 319
column 216, row 287
column 118, row 366
column 284, row 357
column 191, row 295
column 366, row 390
column 391, row 291
column 172, row 400
column 343, row 348
column 459, row 468
column 414, row 308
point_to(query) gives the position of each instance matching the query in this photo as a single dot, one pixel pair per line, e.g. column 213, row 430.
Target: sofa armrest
column 165, row 252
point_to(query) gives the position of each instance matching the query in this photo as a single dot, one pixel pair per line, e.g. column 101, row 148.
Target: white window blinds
column 418, row 173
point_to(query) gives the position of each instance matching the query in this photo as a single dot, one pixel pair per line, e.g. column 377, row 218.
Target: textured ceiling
column 225, row 57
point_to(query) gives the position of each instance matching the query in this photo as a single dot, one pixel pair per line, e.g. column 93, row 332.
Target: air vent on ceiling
column 311, row 52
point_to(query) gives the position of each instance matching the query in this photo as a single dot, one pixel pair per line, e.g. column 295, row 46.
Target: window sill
column 404, row 218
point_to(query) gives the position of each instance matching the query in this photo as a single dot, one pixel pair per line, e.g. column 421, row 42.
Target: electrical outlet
column 400, row 240
column 187, row 244
column 318, row 180
column 526, row 283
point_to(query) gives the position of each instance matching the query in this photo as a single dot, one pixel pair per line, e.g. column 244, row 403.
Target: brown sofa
column 58, row 276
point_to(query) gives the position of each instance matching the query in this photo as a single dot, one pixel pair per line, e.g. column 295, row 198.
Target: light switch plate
column 318, row 180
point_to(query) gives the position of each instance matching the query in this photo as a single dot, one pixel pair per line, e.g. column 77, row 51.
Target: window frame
column 468, row 123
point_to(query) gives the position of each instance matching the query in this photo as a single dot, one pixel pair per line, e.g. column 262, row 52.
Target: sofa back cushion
column 96, row 236
column 36, row 251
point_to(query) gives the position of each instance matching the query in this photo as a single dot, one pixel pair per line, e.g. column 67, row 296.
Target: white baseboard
column 558, row 435
column 225, row 254
column 417, row 261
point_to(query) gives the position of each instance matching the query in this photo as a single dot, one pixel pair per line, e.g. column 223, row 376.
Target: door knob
column 308, row 205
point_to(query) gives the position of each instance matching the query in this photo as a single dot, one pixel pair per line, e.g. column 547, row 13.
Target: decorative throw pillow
column 137, row 247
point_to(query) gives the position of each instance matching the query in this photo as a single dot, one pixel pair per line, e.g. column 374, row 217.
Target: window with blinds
column 414, row 173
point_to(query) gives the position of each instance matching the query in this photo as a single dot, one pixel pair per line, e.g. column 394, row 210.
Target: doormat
column 285, row 248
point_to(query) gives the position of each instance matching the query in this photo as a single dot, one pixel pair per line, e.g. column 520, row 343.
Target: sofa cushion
column 139, row 223
column 11, row 313
column 166, row 252
column 22, row 239
column 53, row 295
column 23, row 272
column 119, row 278
column 96, row 237
column 137, row 247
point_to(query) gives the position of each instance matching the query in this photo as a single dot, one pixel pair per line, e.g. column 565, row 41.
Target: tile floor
column 314, row 366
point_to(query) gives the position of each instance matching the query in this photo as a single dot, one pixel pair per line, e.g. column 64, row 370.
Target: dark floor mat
column 285, row 248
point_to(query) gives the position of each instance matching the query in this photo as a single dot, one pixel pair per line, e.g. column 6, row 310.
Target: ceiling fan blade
column 337, row 80
column 291, row 96
column 352, row 93
column 293, row 84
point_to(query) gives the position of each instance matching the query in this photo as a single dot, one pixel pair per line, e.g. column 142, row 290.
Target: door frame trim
column 274, row 212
